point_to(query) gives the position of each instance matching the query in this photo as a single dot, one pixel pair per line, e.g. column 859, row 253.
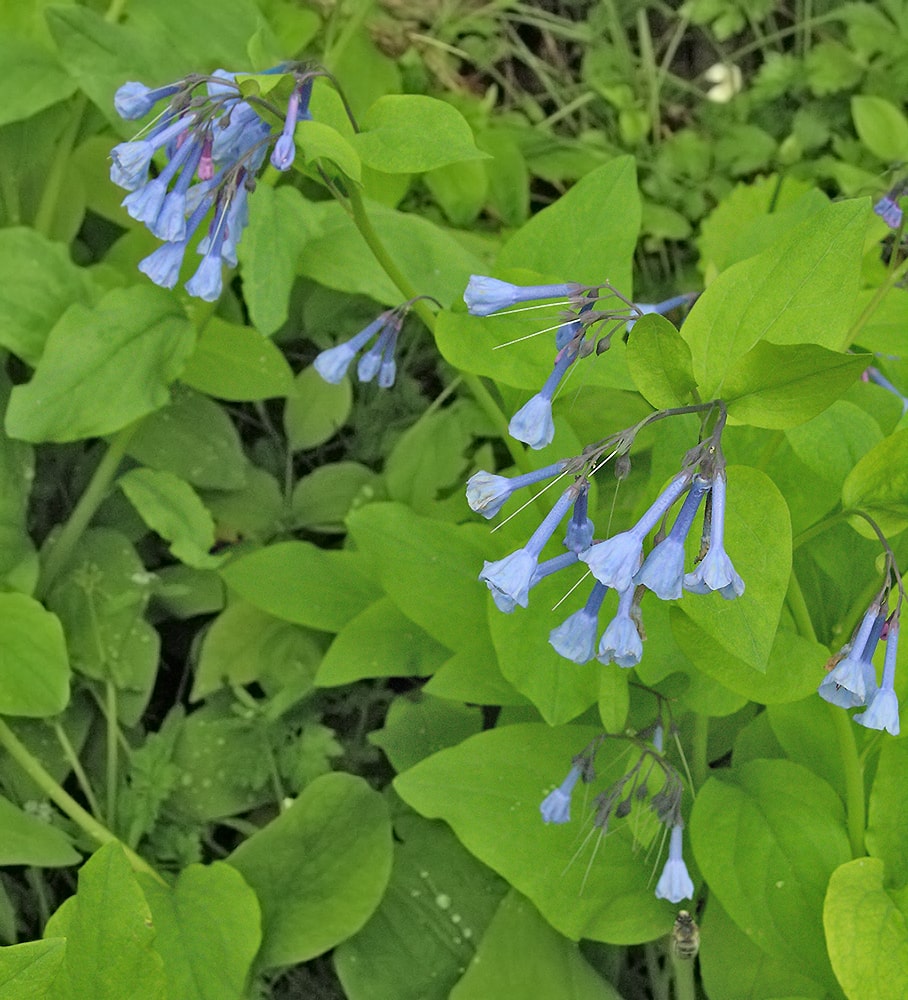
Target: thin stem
column 473, row 383
column 50, row 196
column 113, row 731
column 72, row 758
column 648, row 57
column 699, row 752
column 35, row 770
column 798, row 608
column 60, row 549
column 817, row 529
column 854, row 779
column 891, row 281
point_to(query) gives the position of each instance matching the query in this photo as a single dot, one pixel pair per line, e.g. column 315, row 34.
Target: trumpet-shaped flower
column 661, row 308
column 580, row 528
column 846, row 684
column 556, row 806
column 533, row 423
column 512, row 576
column 883, row 705
column 675, row 883
column 332, row 363
column 715, row 571
column 663, row 570
column 621, row 643
column 485, row 295
column 544, row 569
column 615, row 561
column 487, row 493
column 575, row 637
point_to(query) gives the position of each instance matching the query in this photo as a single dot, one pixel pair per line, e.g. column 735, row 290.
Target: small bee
column 685, row 936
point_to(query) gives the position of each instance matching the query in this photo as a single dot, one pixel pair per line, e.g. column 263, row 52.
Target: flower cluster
column 888, row 208
column 616, row 563
column 851, row 680
column 214, row 143
column 588, row 322
column 332, row 364
column 618, row 800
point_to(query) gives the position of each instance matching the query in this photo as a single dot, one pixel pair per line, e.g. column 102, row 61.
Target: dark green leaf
column 315, row 410
column 29, row 840
column 34, row 678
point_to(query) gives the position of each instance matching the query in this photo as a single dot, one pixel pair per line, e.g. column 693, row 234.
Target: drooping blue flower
column 485, row 295
column 575, row 637
column 846, row 684
column 533, row 423
column 370, row 363
column 284, row 152
column 580, row 528
column 163, row 265
column 332, row 363
column 547, row 568
column 621, row 642
column 888, row 208
column 487, row 493
column 663, row 570
column 511, row 577
column 658, row 737
column 130, row 160
column 556, row 806
column 715, row 571
column 134, row 100
column 878, row 378
column 883, row 704
column 615, row 561
column 675, row 882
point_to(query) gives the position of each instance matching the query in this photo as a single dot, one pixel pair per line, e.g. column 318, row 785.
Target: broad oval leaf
column 34, row 667
column 878, row 485
column 319, row 870
column 103, row 367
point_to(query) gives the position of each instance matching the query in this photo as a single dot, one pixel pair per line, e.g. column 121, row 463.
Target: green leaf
column 318, row 141
column 316, row 410
column 333, row 845
column 866, row 931
column 473, row 675
column 427, row 567
column 660, row 363
column 323, row 498
column 301, row 583
column 733, row 967
column 172, row 508
column 887, row 822
column 109, row 935
column 520, row 955
column 380, row 642
column 279, row 227
column 835, row 441
column 565, row 236
column 237, row 363
column 18, row 559
column 416, row 728
column 34, row 668
column 410, row 133
column 28, row 971
column 101, row 598
column 767, row 837
column 33, row 78
column 425, row 931
column 195, row 439
column 243, row 645
column 801, row 288
column 131, row 346
column 39, row 282
column 881, row 126
column 488, row 790
column 339, row 257
column 27, row 840
column 758, row 540
column 878, row 484
column 207, row 931
column 782, row 385
column 614, row 698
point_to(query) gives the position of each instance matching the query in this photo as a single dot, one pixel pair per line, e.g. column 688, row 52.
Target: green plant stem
column 60, row 549
column 895, row 276
column 818, row 528
column 83, row 819
column 854, row 779
column 72, row 759
column 658, row 980
column 650, row 70
column 113, row 732
column 683, row 969
column 798, row 608
column 473, row 383
column 35, row 879
column 699, row 752
column 53, row 186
